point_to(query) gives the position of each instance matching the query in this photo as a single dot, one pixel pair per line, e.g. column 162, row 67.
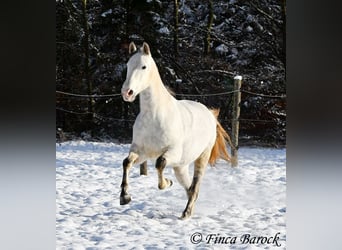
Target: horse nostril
column 130, row 92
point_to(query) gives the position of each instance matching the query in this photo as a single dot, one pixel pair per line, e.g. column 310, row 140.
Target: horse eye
column 143, row 67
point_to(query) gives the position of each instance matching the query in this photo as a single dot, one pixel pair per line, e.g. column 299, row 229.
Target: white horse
column 175, row 132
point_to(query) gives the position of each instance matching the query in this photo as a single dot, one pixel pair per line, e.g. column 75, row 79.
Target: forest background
column 199, row 46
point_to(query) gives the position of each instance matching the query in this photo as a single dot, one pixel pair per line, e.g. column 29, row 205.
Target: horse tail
column 219, row 149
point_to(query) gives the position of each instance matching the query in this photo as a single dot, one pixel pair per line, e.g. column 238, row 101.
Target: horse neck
column 156, row 96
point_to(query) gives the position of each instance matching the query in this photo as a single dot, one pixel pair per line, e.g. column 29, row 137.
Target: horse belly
column 195, row 145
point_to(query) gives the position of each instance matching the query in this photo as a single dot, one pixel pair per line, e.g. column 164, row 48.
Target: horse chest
column 153, row 134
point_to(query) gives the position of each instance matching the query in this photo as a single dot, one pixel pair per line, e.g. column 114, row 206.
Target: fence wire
column 87, row 96
column 100, row 117
column 186, row 95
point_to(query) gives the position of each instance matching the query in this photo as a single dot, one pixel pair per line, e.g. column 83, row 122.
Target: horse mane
column 219, row 149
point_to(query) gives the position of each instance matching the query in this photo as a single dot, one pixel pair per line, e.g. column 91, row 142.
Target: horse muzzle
column 128, row 95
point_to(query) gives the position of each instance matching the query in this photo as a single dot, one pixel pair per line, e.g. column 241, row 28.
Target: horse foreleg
column 125, row 198
column 192, row 192
column 160, row 166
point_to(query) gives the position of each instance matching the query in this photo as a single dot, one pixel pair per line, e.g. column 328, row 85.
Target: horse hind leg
column 182, row 175
column 160, row 166
column 199, row 170
column 125, row 198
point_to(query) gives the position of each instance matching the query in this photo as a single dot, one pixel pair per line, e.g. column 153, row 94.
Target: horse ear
column 146, row 49
column 131, row 48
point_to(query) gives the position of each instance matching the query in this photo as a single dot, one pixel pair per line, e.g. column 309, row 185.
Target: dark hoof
column 125, row 199
column 186, row 215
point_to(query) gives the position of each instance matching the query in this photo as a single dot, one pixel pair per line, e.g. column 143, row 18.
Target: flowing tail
column 219, row 149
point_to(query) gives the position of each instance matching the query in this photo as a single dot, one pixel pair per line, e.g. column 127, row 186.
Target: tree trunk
column 284, row 32
column 207, row 38
column 127, row 19
column 86, row 63
column 176, row 24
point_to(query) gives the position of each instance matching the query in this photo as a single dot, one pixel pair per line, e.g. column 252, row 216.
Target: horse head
column 139, row 68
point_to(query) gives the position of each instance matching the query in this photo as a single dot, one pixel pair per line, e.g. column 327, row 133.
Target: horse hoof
column 167, row 183
column 186, row 215
column 125, row 199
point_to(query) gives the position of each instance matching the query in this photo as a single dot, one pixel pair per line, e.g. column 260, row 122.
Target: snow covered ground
column 234, row 208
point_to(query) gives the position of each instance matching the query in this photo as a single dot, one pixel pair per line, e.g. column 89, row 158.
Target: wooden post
column 143, row 168
column 235, row 120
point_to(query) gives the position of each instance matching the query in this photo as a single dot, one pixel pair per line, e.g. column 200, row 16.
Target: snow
column 222, row 49
column 248, row 199
column 104, row 14
column 164, row 30
column 249, row 29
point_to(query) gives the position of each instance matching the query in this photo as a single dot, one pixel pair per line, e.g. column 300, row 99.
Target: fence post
column 143, row 168
column 235, row 120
